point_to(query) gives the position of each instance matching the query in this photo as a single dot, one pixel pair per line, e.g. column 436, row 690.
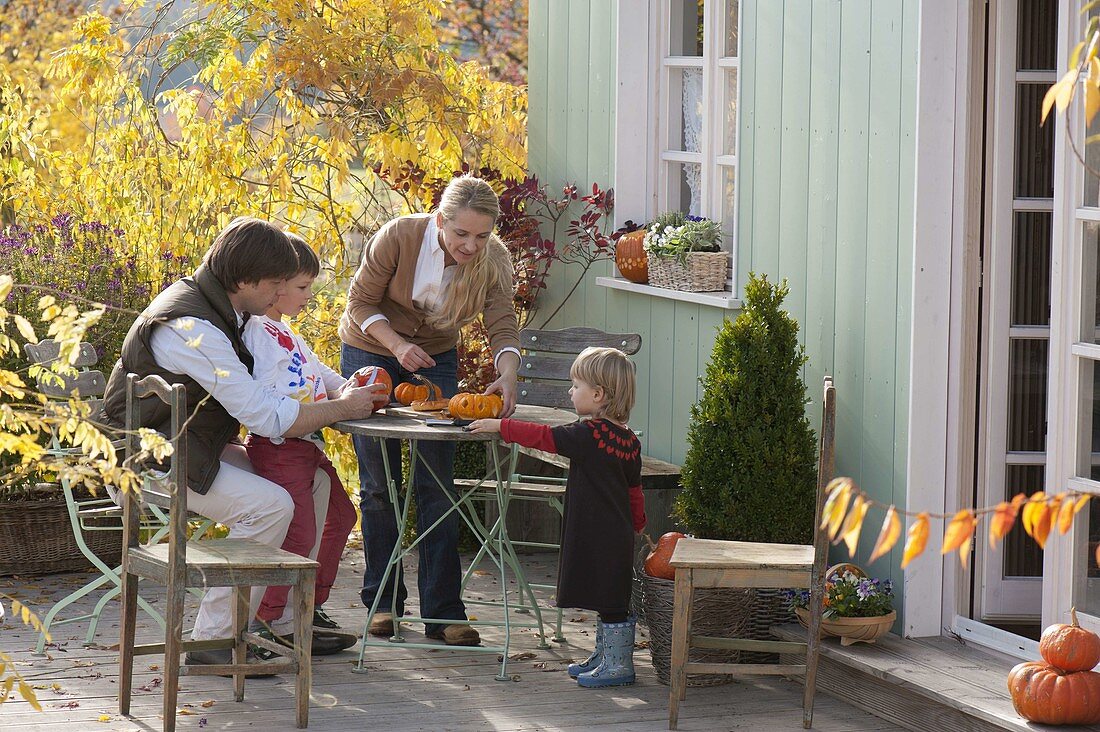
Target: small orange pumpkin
column 630, row 257
column 1042, row 693
column 475, row 406
column 407, row 392
column 656, row 562
column 363, row 377
column 1070, row 647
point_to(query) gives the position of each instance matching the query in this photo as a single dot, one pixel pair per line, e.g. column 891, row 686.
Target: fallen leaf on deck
column 185, row 711
column 523, row 656
column 105, row 718
column 68, row 705
column 208, row 703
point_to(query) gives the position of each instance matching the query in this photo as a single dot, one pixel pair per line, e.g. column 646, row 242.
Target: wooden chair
column 544, row 382
column 178, row 564
column 707, row 563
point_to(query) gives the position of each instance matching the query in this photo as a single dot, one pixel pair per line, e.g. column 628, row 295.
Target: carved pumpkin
column 1070, row 647
column 1042, row 693
column 407, row 392
column 630, row 257
column 475, row 406
column 656, row 562
column 363, row 377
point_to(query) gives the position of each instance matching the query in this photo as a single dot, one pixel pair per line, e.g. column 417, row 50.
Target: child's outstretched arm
column 485, row 425
column 528, row 434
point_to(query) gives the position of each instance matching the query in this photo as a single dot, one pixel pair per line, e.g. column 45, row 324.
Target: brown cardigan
column 383, row 285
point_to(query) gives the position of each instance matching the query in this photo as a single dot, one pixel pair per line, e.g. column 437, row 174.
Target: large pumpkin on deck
column 475, row 406
column 1042, row 693
column 656, row 562
column 1070, row 647
column 630, row 257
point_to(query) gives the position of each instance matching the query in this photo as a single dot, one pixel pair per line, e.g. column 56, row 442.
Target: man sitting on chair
column 191, row 334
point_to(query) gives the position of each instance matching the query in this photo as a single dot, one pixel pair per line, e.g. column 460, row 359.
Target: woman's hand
column 506, row 387
column 412, row 357
column 484, row 425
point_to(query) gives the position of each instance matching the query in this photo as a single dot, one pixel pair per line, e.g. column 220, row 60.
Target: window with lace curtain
column 697, row 119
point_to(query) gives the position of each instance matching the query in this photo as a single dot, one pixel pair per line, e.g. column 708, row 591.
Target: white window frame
column 644, row 114
column 1071, row 346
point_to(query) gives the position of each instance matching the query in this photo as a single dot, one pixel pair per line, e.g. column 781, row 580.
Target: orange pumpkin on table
column 407, row 392
column 656, row 562
column 475, row 406
column 364, row 375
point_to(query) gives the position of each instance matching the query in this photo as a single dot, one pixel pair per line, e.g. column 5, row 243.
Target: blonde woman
column 422, row 278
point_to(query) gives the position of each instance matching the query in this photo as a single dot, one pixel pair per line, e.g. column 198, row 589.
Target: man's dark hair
column 308, row 263
column 249, row 250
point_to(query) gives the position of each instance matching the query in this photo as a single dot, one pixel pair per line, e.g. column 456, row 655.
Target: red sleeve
column 637, row 507
column 528, row 434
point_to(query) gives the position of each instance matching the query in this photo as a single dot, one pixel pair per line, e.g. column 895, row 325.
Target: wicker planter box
column 37, row 538
column 718, row 611
column 702, row 272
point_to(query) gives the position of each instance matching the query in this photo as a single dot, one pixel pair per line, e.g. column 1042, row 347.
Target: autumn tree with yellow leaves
column 183, row 116
column 166, row 120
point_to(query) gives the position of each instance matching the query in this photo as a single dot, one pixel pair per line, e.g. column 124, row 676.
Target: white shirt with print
column 286, row 366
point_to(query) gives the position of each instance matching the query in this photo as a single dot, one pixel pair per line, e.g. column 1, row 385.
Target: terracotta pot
column 851, row 630
column 630, row 257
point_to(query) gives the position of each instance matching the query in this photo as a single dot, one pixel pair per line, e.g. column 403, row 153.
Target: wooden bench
column 660, row 484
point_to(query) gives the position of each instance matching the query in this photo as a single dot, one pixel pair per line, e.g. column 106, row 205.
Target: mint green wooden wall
column 827, row 132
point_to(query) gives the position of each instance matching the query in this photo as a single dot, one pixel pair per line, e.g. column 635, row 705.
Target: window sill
column 724, row 300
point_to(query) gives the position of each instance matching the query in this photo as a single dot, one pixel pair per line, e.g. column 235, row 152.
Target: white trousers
column 253, row 508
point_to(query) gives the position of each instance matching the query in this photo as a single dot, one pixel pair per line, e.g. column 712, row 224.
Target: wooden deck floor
column 405, row 689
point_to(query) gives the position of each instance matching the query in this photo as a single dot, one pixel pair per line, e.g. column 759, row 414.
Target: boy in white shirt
column 286, row 365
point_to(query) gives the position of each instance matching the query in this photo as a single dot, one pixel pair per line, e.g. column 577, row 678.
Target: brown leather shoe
column 456, row 635
column 381, row 625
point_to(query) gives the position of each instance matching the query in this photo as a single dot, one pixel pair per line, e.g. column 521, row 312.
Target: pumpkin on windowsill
column 630, row 257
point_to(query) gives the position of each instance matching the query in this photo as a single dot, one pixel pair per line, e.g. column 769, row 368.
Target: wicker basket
column 770, row 608
column 704, row 272
column 37, row 538
column 718, row 611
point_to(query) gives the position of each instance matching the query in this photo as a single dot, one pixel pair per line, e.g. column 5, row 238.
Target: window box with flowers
column 683, row 252
column 858, row 609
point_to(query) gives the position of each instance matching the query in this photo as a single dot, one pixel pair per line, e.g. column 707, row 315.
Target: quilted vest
column 210, row 428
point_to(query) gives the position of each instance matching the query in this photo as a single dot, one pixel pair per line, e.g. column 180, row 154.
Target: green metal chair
column 88, row 514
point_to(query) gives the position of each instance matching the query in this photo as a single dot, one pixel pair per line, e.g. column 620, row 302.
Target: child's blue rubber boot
column 576, row 669
column 617, row 664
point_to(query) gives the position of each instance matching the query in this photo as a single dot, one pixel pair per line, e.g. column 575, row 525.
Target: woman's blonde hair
column 611, row 370
column 465, row 298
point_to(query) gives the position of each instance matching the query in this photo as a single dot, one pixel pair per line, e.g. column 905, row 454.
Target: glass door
column 1015, row 299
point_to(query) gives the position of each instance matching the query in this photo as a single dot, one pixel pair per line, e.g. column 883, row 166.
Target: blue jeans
column 439, row 575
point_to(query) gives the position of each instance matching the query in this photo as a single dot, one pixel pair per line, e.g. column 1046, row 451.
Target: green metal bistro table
column 496, row 547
